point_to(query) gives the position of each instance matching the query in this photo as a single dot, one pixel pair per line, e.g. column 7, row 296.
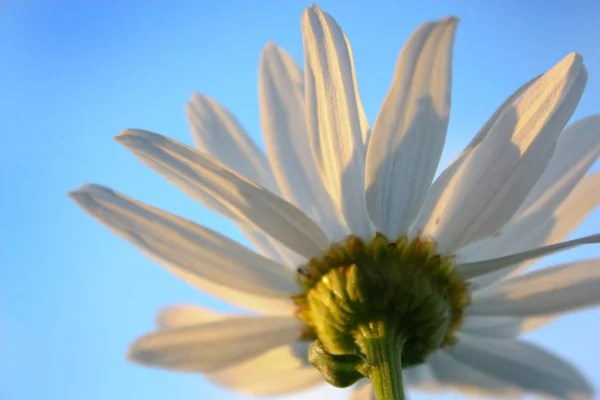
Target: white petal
column 523, row 366
column 466, row 380
column 186, row 315
column 408, row 136
column 363, row 390
column 284, row 369
column 556, row 205
column 214, row 346
column 279, row 371
column 471, row 270
column 499, row 326
column 265, row 244
column 550, row 291
column 503, row 327
column 440, row 185
column 494, row 178
column 334, row 121
column 193, row 172
column 217, row 133
column 281, row 95
column 490, row 326
column 504, row 107
column 577, row 148
column 204, row 258
column 544, row 227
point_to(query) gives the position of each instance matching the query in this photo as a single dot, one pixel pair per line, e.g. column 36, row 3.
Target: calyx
column 402, row 288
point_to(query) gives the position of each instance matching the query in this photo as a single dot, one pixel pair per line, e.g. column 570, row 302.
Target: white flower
column 517, row 190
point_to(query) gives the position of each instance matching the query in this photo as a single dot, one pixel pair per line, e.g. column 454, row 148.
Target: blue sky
column 74, row 73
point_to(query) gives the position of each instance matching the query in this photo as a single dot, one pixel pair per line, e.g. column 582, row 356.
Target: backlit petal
column 279, row 371
column 214, row 346
column 206, row 259
column 534, row 231
column 193, row 172
column 409, row 133
column 559, row 289
column 494, row 178
column 281, row 95
column 335, row 120
column 524, row 366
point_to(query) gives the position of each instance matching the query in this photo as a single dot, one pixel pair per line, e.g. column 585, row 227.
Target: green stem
column 382, row 347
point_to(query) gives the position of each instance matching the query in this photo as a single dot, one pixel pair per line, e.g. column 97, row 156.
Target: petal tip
column 450, row 23
column 140, row 351
column 314, row 7
column 575, row 56
column 80, row 190
column 451, row 19
column 129, row 136
column 88, row 188
column 88, row 194
column 124, row 136
column 572, row 61
column 270, row 46
column 75, row 194
column 133, row 353
column 270, row 51
column 310, row 12
column 198, row 97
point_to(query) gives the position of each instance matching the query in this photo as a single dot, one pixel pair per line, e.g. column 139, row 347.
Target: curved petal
column 214, row 346
column 218, row 133
column 534, row 231
column 206, row 259
column 281, row 95
column 494, row 178
column 466, row 380
column 577, row 148
column 193, row 172
column 335, row 120
column 284, row 369
column 548, row 219
column 523, row 366
column 440, row 185
column 265, row 244
column 497, row 115
column 279, row 371
column 474, row 269
column 186, row 315
column 503, row 327
column 408, row 136
column 563, row 288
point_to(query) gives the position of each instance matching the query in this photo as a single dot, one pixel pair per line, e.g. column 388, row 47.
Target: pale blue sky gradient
column 73, row 74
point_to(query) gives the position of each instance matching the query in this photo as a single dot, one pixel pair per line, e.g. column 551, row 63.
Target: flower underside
column 403, row 287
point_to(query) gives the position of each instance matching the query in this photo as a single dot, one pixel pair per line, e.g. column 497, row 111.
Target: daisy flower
column 365, row 265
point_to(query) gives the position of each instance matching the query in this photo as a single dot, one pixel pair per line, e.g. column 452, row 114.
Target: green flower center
column 404, row 286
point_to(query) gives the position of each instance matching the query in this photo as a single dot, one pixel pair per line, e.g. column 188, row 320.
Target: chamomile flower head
column 365, row 266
